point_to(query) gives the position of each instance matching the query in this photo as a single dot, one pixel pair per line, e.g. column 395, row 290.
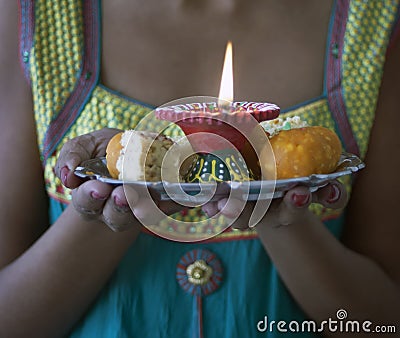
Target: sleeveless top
column 152, row 293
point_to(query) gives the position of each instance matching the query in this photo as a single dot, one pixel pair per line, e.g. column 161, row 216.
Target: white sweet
column 274, row 126
column 142, row 155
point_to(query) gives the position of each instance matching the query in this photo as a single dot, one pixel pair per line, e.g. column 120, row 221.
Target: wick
column 225, row 108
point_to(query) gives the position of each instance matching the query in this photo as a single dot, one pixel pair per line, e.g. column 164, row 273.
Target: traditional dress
column 152, row 293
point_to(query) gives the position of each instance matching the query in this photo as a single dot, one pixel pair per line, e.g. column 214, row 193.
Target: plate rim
column 253, row 187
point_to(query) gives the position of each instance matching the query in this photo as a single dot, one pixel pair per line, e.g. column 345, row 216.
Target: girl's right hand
column 96, row 200
column 79, row 149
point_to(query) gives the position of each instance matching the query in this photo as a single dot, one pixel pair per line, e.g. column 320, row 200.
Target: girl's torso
column 160, row 52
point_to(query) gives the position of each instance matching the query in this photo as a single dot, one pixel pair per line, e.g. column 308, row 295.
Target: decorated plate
column 199, row 193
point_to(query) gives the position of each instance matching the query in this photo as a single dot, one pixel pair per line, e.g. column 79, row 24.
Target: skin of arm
column 36, row 295
column 362, row 274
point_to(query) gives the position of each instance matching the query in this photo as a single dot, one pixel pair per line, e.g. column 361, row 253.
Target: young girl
column 82, row 66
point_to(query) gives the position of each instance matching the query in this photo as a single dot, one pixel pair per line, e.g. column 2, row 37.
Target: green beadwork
column 221, row 166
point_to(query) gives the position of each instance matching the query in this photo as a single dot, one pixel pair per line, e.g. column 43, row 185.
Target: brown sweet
column 145, row 155
column 305, row 151
column 298, row 152
column 112, row 154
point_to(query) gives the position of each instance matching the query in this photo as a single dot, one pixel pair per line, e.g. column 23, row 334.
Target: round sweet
column 304, row 151
column 112, row 154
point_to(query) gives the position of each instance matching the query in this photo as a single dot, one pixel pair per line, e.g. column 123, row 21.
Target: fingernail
column 95, row 195
column 119, row 203
column 64, row 174
column 300, row 200
column 334, row 194
column 221, row 204
column 210, row 209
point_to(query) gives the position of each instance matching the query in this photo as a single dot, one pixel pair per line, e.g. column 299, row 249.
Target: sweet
column 138, row 156
column 273, row 127
column 112, row 154
column 304, row 151
column 299, row 150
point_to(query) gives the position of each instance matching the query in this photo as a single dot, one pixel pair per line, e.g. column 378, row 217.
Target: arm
column 362, row 275
column 17, row 135
column 44, row 287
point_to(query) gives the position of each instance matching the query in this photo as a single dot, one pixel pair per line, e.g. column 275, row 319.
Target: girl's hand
column 96, row 200
column 79, row 149
column 121, row 207
column 284, row 211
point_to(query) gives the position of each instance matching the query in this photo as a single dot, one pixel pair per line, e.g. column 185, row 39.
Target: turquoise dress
column 150, row 294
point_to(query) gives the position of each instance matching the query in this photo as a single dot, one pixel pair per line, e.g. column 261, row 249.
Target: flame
column 226, row 87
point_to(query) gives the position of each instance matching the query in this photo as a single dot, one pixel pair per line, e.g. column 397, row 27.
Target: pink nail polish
column 334, row 194
column 64, row 174
column 95, row 195
column 300, row 200
column 120, row 203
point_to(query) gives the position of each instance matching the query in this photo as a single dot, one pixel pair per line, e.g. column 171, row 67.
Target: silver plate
column 195, row 192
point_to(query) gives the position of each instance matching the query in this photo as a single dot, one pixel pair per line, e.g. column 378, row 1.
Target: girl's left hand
column 283, row 211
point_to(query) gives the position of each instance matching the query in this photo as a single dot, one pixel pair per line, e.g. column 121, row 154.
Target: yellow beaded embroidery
column 365, row 42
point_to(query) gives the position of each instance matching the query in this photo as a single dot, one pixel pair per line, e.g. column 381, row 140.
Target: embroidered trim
column 85, row 85
column 395, row 36
column 334, row 77
column 26, row 25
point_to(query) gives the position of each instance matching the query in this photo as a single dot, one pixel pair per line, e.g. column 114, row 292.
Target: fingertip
column 170, row 207
column 67, row 175
column 64, row 172
column 120, row 203
column 333, row 195
column 96, row 189
column 72, row 181
column 221, row 204
column 298, row 197
column 116, row 214
column 210, row 208
column 89, row 198
column 69, row 179
column 73, row 161
column 231, row 207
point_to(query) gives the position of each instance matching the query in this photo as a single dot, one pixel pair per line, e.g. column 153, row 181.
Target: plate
column 200, row 193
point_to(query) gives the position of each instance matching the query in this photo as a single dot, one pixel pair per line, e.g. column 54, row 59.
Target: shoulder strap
column 26, row 29
column 395, row 36
column 87, row 80
column 334, row 76
column 360, row 38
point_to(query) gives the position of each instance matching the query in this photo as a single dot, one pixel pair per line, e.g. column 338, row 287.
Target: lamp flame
column 226, row 87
